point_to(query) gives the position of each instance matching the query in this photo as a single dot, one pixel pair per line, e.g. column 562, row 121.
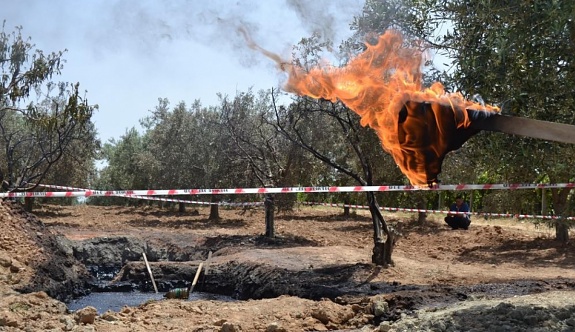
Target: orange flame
column 384, row 86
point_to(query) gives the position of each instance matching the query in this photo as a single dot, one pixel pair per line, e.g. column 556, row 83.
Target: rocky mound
column 33, row 259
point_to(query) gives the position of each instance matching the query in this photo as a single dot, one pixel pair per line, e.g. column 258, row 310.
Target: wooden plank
column 196, row 277
column 150, row 272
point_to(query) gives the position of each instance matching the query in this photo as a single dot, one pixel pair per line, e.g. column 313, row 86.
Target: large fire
column 416, row 125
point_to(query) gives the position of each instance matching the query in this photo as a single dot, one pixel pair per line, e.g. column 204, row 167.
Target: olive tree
column 40, row 120
column 261, row 151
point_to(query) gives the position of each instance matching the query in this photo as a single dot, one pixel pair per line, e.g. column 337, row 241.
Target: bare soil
column 435, row 267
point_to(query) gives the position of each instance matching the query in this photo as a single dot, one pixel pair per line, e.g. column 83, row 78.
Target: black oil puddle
column 115, row 301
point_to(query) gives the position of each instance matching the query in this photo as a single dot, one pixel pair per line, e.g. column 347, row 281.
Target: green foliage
column 43, row 124
column 517, row 54
column 23, row 69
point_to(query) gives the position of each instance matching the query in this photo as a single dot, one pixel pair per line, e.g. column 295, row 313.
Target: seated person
column 458, row 220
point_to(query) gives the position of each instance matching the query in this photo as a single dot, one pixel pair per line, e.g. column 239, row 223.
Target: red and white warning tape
column 504, row 215
column 286, row 190
column 138, row 194
column 151, row 198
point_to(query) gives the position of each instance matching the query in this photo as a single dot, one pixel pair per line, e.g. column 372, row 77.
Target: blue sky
column 129, row 53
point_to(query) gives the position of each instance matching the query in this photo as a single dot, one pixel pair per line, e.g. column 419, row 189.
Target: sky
column 128, row 53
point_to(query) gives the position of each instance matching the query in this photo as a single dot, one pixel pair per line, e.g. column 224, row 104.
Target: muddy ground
column 315, row 275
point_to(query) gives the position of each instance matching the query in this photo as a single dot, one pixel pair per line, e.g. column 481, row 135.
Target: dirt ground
column 429, row 256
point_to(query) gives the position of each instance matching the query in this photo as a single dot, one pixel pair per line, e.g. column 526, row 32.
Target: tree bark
column 269, row 206
column 214, row 208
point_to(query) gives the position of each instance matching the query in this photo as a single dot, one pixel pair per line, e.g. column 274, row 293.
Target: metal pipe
column 545, row 130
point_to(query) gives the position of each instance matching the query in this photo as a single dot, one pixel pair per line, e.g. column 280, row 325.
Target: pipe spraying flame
column 383, row 85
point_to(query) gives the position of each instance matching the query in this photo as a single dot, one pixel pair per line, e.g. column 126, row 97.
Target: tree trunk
column 346, row 201
column 422, row 205
column 269, row 206
column 560, row 197
column 562, row 231
column 28, row 204
column 346, row 213
column 382, row 248
column 214, row 208
column 440, row 200
column 181, row 207
column 544, row 202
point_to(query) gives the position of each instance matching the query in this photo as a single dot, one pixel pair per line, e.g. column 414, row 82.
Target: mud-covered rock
column 230, row 327
column 249, row 280
column 109, row 251
column 112, row 252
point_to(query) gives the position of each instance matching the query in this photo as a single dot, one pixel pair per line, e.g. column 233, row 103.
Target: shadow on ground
column 188, row 223
column 322, row 218
column 215, row 243
column 549, row 252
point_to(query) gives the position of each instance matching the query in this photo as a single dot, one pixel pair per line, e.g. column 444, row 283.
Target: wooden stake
column 150, row 272
column 196, row 277
column 206, row 270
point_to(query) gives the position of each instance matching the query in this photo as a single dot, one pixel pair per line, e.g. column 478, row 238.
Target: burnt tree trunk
column 269, row 206
column 382, row 247
column 214, row 208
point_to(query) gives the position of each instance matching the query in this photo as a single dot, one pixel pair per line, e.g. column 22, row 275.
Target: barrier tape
column 286, row 190
column 355, row 206
column 482, row 214
column 151, row 198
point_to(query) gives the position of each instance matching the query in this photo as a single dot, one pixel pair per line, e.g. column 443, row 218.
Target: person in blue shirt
column 458, row 221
